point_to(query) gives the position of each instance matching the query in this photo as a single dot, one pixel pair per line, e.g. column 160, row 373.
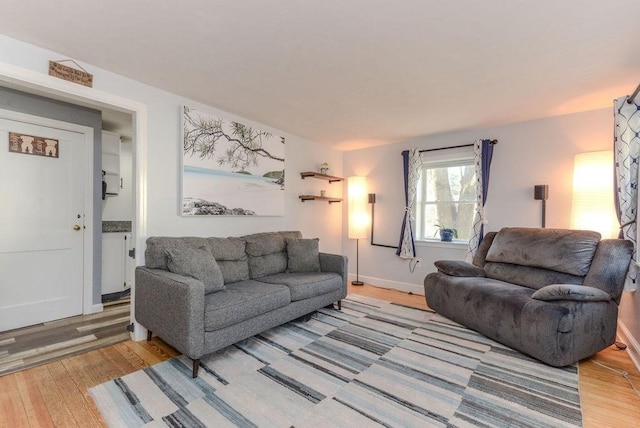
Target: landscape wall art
column 229, row 168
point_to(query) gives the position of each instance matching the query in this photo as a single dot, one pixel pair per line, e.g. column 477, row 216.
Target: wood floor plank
column 84, row 409
column 53, row 398
column 32, row 399
column 12, row 410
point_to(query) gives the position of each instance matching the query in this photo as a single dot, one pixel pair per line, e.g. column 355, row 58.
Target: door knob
column 76, row 227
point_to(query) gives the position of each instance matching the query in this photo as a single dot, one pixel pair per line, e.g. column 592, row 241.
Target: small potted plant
column 324, row 168
column 446, row 233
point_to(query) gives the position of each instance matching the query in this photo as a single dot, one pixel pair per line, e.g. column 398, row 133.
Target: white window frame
column 459, row 158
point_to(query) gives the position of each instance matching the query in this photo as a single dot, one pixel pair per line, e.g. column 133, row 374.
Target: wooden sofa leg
column 339, row 305
column 196, row 366
column 149, row 334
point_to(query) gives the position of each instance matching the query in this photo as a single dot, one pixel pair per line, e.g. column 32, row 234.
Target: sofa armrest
column 172, row 306
column 573, row 292
column 458, row 268
column 334, row 263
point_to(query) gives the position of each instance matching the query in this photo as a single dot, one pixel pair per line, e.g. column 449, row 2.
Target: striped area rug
column 373, row 364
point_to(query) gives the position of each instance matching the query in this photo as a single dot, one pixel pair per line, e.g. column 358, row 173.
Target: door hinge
column 132, row 253
column 130, row 327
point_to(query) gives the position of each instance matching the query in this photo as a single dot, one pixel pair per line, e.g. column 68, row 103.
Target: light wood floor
column 55, row 394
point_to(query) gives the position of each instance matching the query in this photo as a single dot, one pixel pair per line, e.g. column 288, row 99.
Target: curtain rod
column 453, row 147
column 635, row 93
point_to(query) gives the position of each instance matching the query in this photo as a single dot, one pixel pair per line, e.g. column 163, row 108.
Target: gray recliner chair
column 550, row 293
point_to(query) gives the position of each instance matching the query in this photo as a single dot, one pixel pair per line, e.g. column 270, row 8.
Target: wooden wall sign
column 32, row 145
column 61, row 71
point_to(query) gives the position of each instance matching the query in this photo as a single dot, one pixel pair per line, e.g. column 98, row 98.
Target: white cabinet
column 111, row 162
column 116, row 269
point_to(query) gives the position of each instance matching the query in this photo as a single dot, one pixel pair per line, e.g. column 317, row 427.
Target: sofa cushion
column 231, row 257
column 197, row 263
column 566, row 251
column 527, row 276
column 155, row 254
column 241, row 301
column 303, row 255
column 267, row 252
column 305, row 285
column 577, row 293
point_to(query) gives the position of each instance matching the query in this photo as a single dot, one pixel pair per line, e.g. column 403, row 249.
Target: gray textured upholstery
column 575, row 277
column 303, row 255
column 175, row 307
column 305, row 285
column 458, row 268
column 577, row 293
column 566, row 251
column 197, row 263
column 268, row 252
column 241, row 301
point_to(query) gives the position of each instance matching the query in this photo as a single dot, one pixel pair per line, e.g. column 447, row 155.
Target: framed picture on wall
column 229, row 168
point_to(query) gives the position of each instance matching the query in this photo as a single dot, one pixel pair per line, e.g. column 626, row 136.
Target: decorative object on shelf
column 358, row 219
column 324, row 168
column 229, row 168
column 323, row 193
column 312, row 174
column 64, row 72
column 446, row 233
column 32, row 145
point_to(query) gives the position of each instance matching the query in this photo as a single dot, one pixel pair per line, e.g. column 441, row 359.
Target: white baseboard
column 633, row 347
column 394, row 285
column 97, row 308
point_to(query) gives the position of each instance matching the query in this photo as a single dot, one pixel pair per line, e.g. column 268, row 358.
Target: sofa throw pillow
column 577, row 293
column 303, row 255
column 197, row 263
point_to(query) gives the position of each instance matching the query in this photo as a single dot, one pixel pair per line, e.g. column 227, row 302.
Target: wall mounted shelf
column 319, row 198
column 330, row 178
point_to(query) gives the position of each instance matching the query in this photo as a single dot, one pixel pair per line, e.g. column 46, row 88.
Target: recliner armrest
column 459, row 268
column 572, row 292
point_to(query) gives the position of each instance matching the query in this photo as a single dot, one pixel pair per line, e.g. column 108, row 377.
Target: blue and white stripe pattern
column 373, row 364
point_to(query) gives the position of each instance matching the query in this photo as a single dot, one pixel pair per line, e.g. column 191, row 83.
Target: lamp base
column 357, row 283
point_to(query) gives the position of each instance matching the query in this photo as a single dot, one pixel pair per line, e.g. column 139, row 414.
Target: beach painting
column 229, row 168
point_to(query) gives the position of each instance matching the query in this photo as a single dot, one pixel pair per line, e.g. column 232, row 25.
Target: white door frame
column 87, row 132
column 42, row 84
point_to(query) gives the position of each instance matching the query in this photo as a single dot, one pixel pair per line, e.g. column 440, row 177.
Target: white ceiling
column 355, row 73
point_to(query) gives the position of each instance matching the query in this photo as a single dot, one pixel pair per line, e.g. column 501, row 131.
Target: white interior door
column 41, row 226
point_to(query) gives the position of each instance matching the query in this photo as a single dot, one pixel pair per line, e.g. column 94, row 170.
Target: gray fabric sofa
column 550, row 293
column 248, row 285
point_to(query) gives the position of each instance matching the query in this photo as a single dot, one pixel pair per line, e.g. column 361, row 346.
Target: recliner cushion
column 241, row 301
column 560, row 250
column 305, row 285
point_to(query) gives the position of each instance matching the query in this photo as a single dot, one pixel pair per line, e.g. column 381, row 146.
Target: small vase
column 324, row 171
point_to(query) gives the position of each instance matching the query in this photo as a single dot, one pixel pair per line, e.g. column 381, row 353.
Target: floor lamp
column 358, row 219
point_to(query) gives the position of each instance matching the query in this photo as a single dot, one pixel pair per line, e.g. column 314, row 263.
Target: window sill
column 456, row 243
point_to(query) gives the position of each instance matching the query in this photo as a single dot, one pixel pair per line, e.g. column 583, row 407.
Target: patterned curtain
column 483, row 153
column 626, row 151
column 411, row 162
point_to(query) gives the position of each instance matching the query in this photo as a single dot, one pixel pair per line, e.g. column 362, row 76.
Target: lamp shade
column 358, row 217
column 592, row 206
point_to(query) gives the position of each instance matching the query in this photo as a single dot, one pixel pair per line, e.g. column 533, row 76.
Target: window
column 446, row 196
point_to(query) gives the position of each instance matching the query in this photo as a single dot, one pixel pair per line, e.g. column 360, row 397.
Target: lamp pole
column 357, row 281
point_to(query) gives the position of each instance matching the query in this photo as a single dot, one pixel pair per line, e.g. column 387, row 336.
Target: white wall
column 528, row 153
